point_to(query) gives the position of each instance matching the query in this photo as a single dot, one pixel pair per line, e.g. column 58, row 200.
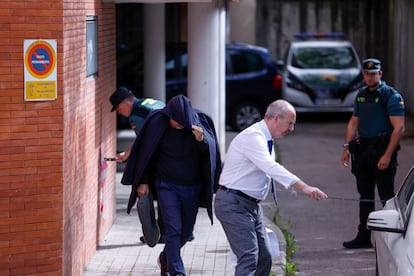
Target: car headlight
column 293, row 82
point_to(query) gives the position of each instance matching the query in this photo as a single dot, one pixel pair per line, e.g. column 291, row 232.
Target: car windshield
column 324, row 57
column 244, row 62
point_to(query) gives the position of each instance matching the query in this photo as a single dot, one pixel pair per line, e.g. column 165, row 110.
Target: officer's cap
column 118, row 96
column 371, row 65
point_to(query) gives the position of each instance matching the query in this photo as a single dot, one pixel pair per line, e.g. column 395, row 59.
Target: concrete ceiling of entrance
column 161, row 1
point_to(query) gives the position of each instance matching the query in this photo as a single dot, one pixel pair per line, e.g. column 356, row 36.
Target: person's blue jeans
column 242, row 221
column 179, row 205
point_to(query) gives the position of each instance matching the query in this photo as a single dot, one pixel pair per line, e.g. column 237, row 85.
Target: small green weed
column 290, row 267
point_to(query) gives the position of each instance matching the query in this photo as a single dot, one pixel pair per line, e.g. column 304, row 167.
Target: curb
column 278, row 263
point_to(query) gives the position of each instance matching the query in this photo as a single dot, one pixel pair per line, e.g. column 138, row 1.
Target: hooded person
column 175, row 157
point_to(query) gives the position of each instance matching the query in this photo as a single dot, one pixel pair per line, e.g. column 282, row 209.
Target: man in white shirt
column 245, row 181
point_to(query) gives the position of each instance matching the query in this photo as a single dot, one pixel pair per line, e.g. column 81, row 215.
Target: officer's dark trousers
column 364, row 167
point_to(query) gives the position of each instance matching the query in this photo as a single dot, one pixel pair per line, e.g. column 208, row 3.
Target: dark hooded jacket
column 179, row 109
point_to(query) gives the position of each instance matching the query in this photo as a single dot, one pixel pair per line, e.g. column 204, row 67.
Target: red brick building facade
column 57, row 196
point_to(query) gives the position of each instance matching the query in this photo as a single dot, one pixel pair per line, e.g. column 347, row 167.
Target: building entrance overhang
column 160, row 1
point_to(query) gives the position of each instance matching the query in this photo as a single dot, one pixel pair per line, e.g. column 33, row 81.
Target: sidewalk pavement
column 121, row 252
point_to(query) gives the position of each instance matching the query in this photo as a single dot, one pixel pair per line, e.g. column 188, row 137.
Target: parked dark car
column 252, row 80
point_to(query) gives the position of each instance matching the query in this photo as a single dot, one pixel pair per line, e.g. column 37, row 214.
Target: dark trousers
column 179, row 205
column 160, row 222
column 364, row 167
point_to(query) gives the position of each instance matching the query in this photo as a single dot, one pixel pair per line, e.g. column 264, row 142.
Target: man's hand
column 198, row 133
column 314, row 193
column 345, row 157
column 123, row 156
column 383, row 163
column 142, row 190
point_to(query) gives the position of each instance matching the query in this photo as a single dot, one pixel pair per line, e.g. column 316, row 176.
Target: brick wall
column 57, row 199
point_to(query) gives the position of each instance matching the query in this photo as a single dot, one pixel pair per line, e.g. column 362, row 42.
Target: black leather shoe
column 161, row 240
column 162, row 264
column 357, row 243
column 191, row 238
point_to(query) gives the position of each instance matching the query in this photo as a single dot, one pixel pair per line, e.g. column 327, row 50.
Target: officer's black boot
column 362, row 240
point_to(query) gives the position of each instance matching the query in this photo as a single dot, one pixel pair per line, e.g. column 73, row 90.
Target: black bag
column 146, row 213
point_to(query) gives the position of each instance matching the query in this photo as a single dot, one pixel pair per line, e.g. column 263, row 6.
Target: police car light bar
column 320, row 35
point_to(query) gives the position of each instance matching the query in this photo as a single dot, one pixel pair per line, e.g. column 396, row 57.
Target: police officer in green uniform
column 136, row 110
column 125, row 103
column 372, row 140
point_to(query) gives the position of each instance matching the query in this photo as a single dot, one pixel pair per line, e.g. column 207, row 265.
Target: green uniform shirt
column 373, row 109
column 140, row 110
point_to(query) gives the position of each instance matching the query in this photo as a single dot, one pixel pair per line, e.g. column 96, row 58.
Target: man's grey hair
column 278, row 107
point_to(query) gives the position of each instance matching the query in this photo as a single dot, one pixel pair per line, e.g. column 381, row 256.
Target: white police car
column 394, row 232
column 321, row 73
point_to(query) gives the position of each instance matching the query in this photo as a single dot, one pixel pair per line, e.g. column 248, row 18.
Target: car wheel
column 244, row 115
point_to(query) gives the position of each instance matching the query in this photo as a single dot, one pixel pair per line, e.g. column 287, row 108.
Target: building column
column 207, row 61
column 154, row 51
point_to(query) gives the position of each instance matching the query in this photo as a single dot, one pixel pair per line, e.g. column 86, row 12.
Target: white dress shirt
column 248, row 165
